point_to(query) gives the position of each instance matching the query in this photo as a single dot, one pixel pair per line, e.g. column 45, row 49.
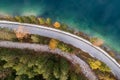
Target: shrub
column 64, row 47
column 7, row 36
column 34, row 38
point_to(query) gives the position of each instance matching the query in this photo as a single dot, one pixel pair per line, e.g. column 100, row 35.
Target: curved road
column 84, row 67
column 70, row 39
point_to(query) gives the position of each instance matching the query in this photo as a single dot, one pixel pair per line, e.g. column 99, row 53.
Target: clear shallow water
column 96, row 17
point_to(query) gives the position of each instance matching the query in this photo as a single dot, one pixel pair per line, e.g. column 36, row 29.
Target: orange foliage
column 98, row 42
column 53, row 44
column 57, row 25
column 21, row 32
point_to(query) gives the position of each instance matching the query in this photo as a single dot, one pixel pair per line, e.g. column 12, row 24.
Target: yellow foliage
column 53, row 44
column 98, row 63
column 94, row 64
column 57, row 25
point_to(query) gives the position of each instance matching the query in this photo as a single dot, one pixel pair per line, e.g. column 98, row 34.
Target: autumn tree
column 21, row 32
column 57, row 25
column 96, row 41
column 95, row 64
column 53, row 44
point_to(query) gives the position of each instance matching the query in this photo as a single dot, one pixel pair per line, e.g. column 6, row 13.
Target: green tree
column 41, row 21
column 64, row 68
column 33, row 19
column 73, row 76
column 31, row 64
column 64, row 27
column 18, row 18
column 48, row 21
column 56, row 70
column 21, row 77
column 26, row 19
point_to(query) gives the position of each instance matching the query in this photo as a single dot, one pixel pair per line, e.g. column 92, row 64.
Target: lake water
column 95, row 17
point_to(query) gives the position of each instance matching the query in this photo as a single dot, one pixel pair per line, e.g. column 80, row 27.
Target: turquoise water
column 95, row 17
